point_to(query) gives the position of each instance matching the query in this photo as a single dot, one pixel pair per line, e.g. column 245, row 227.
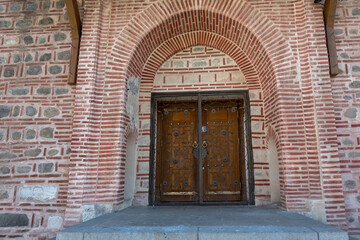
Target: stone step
column 200, row 223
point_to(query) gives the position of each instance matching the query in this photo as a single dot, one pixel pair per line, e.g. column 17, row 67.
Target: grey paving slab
column 202, row 222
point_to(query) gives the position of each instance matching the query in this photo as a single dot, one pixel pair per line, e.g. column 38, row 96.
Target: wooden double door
column 200, row 151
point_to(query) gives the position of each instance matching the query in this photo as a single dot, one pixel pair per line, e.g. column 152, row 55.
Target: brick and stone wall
column 36, row 111
column 277, row 47
column 346, row 93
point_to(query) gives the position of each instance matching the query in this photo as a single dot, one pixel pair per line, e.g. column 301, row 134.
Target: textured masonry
column 62, row 155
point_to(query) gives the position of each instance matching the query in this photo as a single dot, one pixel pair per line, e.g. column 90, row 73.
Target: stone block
column 38, row 193
column 31, row 6
column 46, row 21
column 237, row 77
column 199, row 63
column 24, row 23
column 47, row 132
column 59, row 36
column 53, row 152
column 350, row 113
column 28, row 58
column 207, row 77
column 54, row 222
column 173, row 79
column 4, row 111
column 55, row 69
column 32, row 152
column 34, row 70
column 355, row 84
column 4, row 170
column 356, row 68
column 179, row 64
column 255, row 110
column 91, row 211
column 216, row 62
column 7, row 155
column 17, row 58
column 46, row 5
column 60, row 4
column 65, row 55
column 223, row 77
column 13, row 220
column 28, row 40
column 16, row 111
column 20, row 91
column 143, row 167
column 2, row 136
column 43, row 90
column 198, row 49
column 51, row 112
column 16, row 136
column 30, row 111
column 61, row 91
column 45, row 167
column 4, row 195
column 15, row 7
column 45, row 57
column 30, row 134
column 338, row 31
column 9, row 72
column 23, row 169
column 5, row 24
column 159, row 79
column 42, row 40
column 354, row 154
column 355, row 11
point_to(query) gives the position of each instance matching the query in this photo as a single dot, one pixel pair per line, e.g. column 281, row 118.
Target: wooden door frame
column 242, row 94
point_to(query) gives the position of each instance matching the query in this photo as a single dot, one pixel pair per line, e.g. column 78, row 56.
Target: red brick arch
column 236, row 28
column 180, row 42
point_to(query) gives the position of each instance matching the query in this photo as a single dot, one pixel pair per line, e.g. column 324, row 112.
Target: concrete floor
column 202, row 222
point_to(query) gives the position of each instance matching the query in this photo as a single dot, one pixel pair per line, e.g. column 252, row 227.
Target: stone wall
column 36, row 110
column 346, row 92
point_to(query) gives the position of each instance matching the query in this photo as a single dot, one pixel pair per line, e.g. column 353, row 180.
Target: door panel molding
column 244, row 127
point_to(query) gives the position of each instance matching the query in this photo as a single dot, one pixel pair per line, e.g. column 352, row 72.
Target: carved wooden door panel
column 221, row 175
column 176, row 166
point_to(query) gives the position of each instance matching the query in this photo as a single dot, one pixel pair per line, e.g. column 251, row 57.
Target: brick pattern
column 203, row 68
column 269, row 51
column 346, row 95
column 36, row 111
column 279, row 47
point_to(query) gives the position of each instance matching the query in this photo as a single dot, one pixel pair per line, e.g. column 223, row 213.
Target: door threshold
column 244, row 203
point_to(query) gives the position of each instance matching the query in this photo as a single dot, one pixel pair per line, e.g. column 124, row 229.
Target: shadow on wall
column 274, row 171
column 130, row 170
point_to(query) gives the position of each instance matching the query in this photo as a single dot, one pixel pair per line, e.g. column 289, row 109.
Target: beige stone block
column 216, row 62
column 237, row 77
column 191, row 78
column 257, row 142
column 199, row 63
column 144, row 140
column 158, row 80
column 173, row 79
column 255, row 110
column 179, row 64
column 223, row 77
column 145, row 107
column 260, row 156
column 256, row 126
column 254, row 94
column 145, row 124
column 143, row 167
column 207, row 77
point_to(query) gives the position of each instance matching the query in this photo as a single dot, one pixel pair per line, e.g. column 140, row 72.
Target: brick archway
column 234, row 27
